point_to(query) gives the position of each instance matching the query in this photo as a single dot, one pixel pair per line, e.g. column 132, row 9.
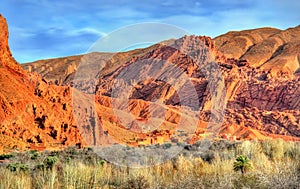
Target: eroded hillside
column 258, row 69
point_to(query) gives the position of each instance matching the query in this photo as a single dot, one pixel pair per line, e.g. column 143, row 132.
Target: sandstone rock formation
column 31, row 111
column 258, row 68
column 268, row 48
column 260, row 104
column 6, row 58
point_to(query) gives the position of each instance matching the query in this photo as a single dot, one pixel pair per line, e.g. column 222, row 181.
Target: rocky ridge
column 262, row 97
column 267, row 48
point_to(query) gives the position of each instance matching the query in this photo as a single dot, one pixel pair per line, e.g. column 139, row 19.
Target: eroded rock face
column 32, row 112
column 261, row 103
column 268, row 48
column 6, row 58
column 35, row 112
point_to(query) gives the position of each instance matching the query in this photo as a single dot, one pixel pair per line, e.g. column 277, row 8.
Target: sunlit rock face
column 258, row 68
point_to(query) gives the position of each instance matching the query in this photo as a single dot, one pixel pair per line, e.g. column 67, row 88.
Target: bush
column 167, row 145
column 51, row 161
column 54, row 153
column 40, row 166
column 68, row 159
column 72, row 151
column 17, row 167
column 101, row 162
column 5, row 156
column 181, row 144
column 242, row 164
column 34, row 154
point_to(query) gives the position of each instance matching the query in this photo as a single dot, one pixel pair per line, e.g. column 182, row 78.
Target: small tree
column 242, row 164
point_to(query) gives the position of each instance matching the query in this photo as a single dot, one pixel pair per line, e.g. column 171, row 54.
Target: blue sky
column 41, row 29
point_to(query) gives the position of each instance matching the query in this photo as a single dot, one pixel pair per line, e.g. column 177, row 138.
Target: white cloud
column 21, row 32
column 82, row 31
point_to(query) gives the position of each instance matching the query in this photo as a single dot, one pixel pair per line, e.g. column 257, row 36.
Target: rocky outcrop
column 32, row 112
column 260, row 104
column 6, row 58
column 267, row 48
column 61, row 71
column 162, row 82
column 235, row 43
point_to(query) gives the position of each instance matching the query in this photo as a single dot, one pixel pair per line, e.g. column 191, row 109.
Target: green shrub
column 54, row 153
column 40, row 166
column 181, row 144
column 101, row 162
column 242, row 164
column 17, row 167
column 34, row 154
column 167, row 145
column 51, row 161
column 73, row 151
column 6, row 156
column 68, row 159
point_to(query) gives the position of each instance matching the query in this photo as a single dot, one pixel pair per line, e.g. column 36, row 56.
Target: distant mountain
column 258, row 68
column 267, row 48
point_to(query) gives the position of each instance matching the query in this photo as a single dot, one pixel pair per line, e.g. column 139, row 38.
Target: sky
column 41, row 29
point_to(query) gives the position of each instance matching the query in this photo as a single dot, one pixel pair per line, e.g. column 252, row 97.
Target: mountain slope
column 268, row 48
column 32, row 111
column 39, row 110
column 260, row 104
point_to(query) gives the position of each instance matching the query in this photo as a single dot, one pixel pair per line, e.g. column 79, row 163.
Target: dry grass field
column 275, row 164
